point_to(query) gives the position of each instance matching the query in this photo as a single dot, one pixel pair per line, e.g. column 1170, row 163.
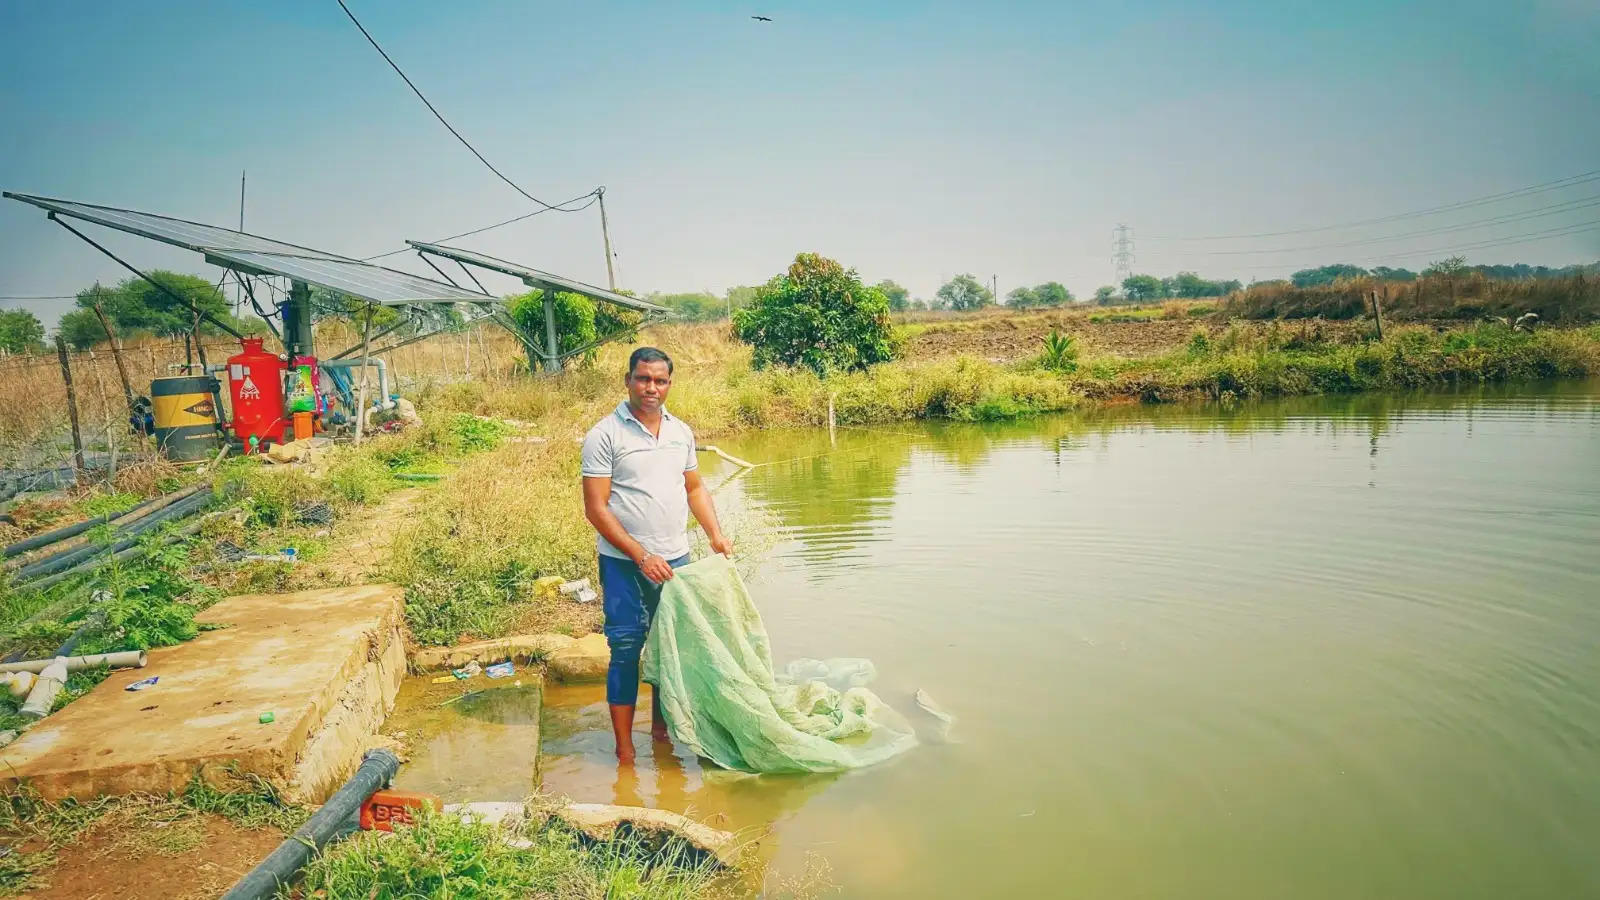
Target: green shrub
column 1060, row 354
column 818, row 315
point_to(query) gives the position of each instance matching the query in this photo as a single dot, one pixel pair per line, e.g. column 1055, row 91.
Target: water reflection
column 831, row 496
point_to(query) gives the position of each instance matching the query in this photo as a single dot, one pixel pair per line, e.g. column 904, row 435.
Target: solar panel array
column 258, row 255
column 534, row 277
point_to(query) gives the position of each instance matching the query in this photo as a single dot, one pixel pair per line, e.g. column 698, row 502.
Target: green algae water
column 1316, row 648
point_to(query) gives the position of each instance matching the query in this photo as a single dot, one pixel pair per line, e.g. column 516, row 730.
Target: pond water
column 1316, row 648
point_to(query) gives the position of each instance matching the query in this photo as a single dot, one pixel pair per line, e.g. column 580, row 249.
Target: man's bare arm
column 596, row 497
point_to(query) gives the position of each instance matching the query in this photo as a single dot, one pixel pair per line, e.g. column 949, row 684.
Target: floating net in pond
column 711, row 663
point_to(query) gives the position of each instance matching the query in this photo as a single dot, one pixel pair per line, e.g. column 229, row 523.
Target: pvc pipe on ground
column 124, row 539
column 377, row 769
column 127, row 659
column 120, row 520
column 45, row 582
column 43, row 695
column 73, row 530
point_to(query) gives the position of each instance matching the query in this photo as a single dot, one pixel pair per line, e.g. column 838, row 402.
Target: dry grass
column 1573, row 300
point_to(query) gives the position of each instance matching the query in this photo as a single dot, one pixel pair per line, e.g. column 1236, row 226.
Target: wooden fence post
column 72, row 404
column 1377, row 315
column 116, row 354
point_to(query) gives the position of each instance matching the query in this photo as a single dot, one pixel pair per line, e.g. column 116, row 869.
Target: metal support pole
column 297, row 321
column 366, row 360
column 605, row 233
column 552, row 360
column 182, row 301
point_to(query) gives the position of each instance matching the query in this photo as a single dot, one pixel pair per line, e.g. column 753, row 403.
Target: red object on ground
column 385, row 808
column 255, row 384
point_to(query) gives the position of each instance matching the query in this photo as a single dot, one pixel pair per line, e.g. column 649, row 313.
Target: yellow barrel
column 185, row 416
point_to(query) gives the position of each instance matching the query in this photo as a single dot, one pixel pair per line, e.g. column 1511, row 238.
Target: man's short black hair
column 648, row 354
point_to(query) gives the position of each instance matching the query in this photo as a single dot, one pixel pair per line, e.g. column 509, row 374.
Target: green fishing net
column 711, row 664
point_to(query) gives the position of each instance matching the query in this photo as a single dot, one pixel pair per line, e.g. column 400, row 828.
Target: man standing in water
column 640, row 482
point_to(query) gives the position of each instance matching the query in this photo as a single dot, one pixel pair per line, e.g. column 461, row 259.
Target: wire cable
column 1569, row 181
column 510, row 221
column 440, row 116
column 1536, row 213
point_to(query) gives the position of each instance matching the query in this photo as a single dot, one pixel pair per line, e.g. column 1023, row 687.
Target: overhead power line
column 59, row 297
column 592, row 195
column 1559, row 231
column 440, row 116
column 1570, row 181
column 1536, row 213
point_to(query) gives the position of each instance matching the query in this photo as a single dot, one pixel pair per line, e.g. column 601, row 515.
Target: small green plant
column 101, row 504
column 474, row 434
column 1060, row 352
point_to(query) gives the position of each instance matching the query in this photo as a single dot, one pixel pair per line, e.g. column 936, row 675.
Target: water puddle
column 470, row 740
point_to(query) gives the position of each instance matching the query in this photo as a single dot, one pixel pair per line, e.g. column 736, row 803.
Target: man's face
column 648, row 384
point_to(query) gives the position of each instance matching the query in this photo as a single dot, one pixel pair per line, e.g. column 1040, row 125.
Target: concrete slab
column 326, row 663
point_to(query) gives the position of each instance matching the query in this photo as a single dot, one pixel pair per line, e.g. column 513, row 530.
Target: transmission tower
column 1123, row 257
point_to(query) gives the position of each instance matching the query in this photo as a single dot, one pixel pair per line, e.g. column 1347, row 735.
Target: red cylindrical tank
column 255, row 383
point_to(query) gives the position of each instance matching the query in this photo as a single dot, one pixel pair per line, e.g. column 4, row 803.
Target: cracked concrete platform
column 327, row 663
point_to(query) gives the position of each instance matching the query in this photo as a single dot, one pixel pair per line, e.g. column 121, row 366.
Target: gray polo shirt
column 646, row 472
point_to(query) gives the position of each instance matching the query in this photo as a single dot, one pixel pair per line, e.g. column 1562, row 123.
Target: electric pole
column 605, row 232
column 238, row 286
column 1123, row 257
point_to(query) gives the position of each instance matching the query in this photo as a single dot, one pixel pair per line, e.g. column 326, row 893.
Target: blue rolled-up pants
column 630, row 600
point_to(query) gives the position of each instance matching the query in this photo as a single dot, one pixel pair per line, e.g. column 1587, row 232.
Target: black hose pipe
column 377, row 769
column 48, row 580
column 60, row 562
column 122, row 526
column 126, row 538
column 61, row 534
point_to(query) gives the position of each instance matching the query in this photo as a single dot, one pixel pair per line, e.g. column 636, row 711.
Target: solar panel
column 536, row 278
column 255, row 255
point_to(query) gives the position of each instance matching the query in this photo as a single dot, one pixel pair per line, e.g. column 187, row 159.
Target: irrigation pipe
column 124, row 539
column 278, row 870
column 127, row 659
column 121, row 518
column 45, row 582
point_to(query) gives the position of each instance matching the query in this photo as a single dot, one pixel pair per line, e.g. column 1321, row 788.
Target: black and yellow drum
column 185, row 416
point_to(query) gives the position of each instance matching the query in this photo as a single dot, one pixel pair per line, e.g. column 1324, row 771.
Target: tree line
column 1451, row 267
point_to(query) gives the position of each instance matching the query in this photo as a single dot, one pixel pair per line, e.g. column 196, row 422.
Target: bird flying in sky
column 761, row 18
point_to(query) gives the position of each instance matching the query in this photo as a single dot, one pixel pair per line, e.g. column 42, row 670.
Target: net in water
column 711, row 664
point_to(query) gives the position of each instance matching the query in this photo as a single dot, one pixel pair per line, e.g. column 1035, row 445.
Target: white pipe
column 127, row 659
column 383, row 376
column 43, row 695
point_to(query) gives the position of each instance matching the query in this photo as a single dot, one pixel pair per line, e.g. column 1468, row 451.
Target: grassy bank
column 443, row 856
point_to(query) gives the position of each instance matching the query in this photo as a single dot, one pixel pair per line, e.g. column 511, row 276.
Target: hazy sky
column 912, row 141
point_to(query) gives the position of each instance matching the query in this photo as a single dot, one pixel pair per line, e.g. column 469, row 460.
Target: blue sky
column 912, row 141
